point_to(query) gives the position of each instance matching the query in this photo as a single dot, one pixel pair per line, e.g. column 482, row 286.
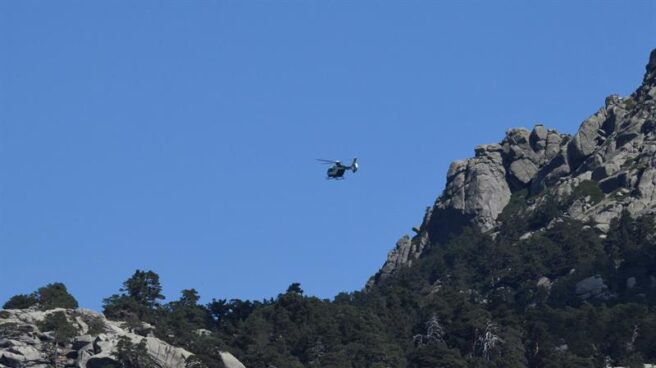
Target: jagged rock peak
column 404, row 253
column 615, row 149
column 478, row 188
column 647, row 91
column 651, row 66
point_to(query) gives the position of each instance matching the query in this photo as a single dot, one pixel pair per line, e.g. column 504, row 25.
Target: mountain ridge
column 613, row 148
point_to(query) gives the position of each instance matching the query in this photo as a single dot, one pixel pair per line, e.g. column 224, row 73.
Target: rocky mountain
column 85, row 339
column 611, row 159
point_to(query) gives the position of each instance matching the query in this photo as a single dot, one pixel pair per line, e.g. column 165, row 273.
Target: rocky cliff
column 83, row 339
column 614, row 150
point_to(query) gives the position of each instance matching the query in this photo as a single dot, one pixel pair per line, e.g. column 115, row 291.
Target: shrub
column 132, row 355
column 47, row 297
column 60, row 325
column 96, row 325
column 548, row 210
column 588, row 188
column 516, row 204
column 629, row 103
column 21, row 301
column 54, row 296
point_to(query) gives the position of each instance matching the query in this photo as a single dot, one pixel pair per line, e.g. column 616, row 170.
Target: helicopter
column 338, row 169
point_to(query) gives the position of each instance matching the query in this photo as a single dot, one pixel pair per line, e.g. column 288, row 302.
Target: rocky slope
column 614, row 150
column 82, row 338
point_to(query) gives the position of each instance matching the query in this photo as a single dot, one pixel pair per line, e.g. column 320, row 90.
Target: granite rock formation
column 25, row 342
column 614, row 148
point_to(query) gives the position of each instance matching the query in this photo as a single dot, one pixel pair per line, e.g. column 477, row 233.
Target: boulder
column 614, row 182
column 587, row 138
column 631, row 282
column 523, row 170
column 538, row 138
column 12, row 360
column 605, row 171
column 80, row 342
column 591, row 287
column 476, row 193
column 554, row 144
column 550, row 174
column 230, row 361
column 544, row 282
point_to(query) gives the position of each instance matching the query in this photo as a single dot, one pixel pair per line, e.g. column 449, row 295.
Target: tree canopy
column 51, row 296
column 473, row 301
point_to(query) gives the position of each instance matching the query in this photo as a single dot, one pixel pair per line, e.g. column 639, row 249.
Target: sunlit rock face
column 93, row 342
column 615, row 148
column 478, row 189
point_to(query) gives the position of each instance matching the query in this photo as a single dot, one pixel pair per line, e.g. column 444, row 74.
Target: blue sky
column 181, row 136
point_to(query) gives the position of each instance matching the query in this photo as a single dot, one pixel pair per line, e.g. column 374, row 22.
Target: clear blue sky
column 181, row 136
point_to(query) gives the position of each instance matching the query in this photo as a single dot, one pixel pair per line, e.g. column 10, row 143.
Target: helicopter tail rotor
column 354, row 165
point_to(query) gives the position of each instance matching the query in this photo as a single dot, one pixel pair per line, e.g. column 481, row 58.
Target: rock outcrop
column 615, row 148
column 405, row 251
column 230, row 361
column 91, row 341
column 478, row 189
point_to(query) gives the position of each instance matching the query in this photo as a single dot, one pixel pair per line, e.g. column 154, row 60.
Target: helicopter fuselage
column 336, row 172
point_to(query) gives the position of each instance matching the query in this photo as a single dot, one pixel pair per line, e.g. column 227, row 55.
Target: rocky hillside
column 610, row 163
column 85, row 339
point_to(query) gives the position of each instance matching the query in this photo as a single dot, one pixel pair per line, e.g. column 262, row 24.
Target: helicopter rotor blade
column 327, row 161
